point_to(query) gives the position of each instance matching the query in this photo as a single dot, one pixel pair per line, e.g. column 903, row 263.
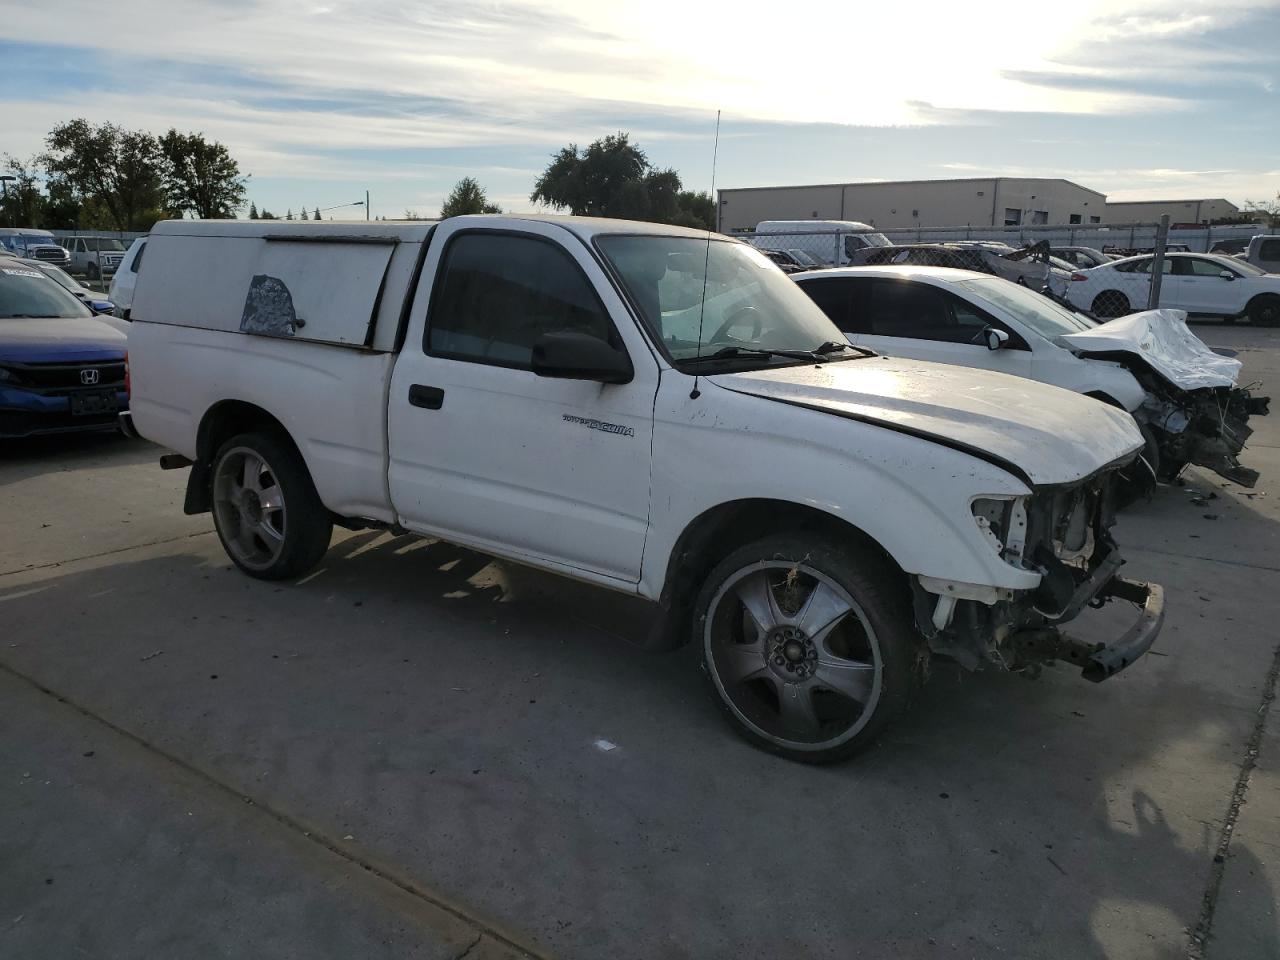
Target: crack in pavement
column 385, row 872
column 1196, row 556
column 1199, row 937
column 105, row 553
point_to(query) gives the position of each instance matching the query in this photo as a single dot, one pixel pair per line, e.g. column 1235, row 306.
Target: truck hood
column 1163, row 340
column 1040, row 433
column 56, row 340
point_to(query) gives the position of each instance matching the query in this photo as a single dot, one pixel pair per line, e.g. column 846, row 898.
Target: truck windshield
column 750, row 304
column 26, row 292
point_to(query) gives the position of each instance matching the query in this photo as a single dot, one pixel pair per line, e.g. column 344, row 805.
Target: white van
column 833, row 242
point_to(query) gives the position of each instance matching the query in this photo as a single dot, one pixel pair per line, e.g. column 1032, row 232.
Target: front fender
column 908, row 494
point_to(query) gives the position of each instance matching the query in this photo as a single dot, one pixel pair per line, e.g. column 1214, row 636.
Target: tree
column 118, row 171
column 253, row 210
column 316, row 215
column 1267, row 211
column 22, row 204
column 613, row 178
column 466, row 197
column 265, row 214
column 288, row 214
column 200, row 176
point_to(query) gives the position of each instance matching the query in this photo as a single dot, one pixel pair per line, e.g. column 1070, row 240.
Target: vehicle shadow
column 26, row 457
column 442, row 707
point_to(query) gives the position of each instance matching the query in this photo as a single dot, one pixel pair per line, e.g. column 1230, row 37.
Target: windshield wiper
column 820, row 353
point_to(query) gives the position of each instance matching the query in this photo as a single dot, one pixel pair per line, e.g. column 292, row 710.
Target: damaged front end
column 1208, row 427
column 1064, row 534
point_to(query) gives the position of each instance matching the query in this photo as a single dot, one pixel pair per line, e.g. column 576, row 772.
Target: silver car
column 36, row 244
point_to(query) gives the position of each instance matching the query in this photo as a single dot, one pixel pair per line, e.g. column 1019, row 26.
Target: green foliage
column 316, row 215
column 466, row 197
column 288, row 214
column 200, row 176
column 253, row 210
column 22, row 204
column 120, row 171
column 613, row 178
column 265, row 214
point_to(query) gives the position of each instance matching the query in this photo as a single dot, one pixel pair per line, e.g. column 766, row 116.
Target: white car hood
column 1163, row 340
column 1047, row 434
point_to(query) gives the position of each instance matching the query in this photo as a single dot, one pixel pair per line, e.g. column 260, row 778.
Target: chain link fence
column 1076, row 275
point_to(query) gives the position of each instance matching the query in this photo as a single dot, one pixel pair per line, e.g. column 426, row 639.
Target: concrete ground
column 416, row 751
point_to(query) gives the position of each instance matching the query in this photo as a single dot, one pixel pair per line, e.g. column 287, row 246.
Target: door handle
column 429, row 398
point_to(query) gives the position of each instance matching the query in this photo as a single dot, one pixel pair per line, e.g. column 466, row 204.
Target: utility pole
column 366, row 205
column 1157, row 263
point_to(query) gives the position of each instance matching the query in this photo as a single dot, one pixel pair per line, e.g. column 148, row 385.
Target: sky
column 320, row 101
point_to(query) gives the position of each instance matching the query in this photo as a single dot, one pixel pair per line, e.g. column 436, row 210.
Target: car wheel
column 809, row 648
column 1110, row 304
column 1264, row 311
column 266, row 509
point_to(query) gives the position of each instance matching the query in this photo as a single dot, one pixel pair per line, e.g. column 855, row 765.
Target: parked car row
column 1202, row 284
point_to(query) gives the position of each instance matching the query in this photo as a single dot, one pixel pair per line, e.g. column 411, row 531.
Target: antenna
column 695, row 393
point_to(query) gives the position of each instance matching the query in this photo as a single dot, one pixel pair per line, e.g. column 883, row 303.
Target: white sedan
column 1199, row 283
column 1182, row 394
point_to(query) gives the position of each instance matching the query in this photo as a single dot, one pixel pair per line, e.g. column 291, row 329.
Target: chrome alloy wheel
column 793, row 655
column 248, row 506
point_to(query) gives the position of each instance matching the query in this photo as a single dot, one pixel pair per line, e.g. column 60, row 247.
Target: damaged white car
column 653, row 410
column 1185, row 398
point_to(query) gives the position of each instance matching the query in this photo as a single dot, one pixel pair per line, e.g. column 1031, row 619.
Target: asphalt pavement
column 417, row 751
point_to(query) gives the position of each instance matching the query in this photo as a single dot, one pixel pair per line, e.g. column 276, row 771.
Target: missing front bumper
column 1098, row 661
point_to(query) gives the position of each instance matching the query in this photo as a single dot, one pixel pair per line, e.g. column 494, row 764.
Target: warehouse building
column 1179, row 211
column 987, row 202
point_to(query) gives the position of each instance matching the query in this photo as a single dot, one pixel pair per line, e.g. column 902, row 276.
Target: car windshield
column 807, row 259
column 27, row 292
column 105, row 244
column 750, row 304
column 60, row 277
column 1033, row 309
column 875, row 240
column 1240, row 266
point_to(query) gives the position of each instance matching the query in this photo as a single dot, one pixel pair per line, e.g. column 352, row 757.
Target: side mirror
column 579, row 356
column 995, row 338
column 1227, row 275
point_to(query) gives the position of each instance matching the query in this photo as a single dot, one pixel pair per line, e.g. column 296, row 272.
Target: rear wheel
column 266, row 509
column 1264, row 311
column 1110, row 304
column 809, row 648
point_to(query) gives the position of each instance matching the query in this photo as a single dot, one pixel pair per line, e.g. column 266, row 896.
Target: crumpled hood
column 1163, row 339
column 1048, row 434
column 55, row 340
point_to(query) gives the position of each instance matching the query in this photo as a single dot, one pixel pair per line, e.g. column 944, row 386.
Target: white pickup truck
column 651, row 409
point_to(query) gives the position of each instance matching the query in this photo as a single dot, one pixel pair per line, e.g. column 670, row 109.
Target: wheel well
column 221, row 422
column 1248, row 307
column 716, row 533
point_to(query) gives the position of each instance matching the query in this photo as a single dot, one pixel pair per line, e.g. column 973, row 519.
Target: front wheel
column 1264, row 311
column 266, row 509
column 809, row 648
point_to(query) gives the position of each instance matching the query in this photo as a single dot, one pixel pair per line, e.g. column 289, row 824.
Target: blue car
column 60, row 369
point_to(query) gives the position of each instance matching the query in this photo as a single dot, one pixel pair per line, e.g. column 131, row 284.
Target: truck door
column 482, row 450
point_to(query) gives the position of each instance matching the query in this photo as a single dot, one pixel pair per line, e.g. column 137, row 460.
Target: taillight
column 128, row 385
column 1078, row 276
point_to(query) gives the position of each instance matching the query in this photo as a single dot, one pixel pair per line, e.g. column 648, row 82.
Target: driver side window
column 497, row 293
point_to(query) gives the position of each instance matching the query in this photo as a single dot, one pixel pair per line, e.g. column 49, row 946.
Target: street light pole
column 366, row 205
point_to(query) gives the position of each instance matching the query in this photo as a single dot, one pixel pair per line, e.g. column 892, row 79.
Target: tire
column 828, row 660
column 266, row 509
column 1110, row 304
column 1264, row 311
